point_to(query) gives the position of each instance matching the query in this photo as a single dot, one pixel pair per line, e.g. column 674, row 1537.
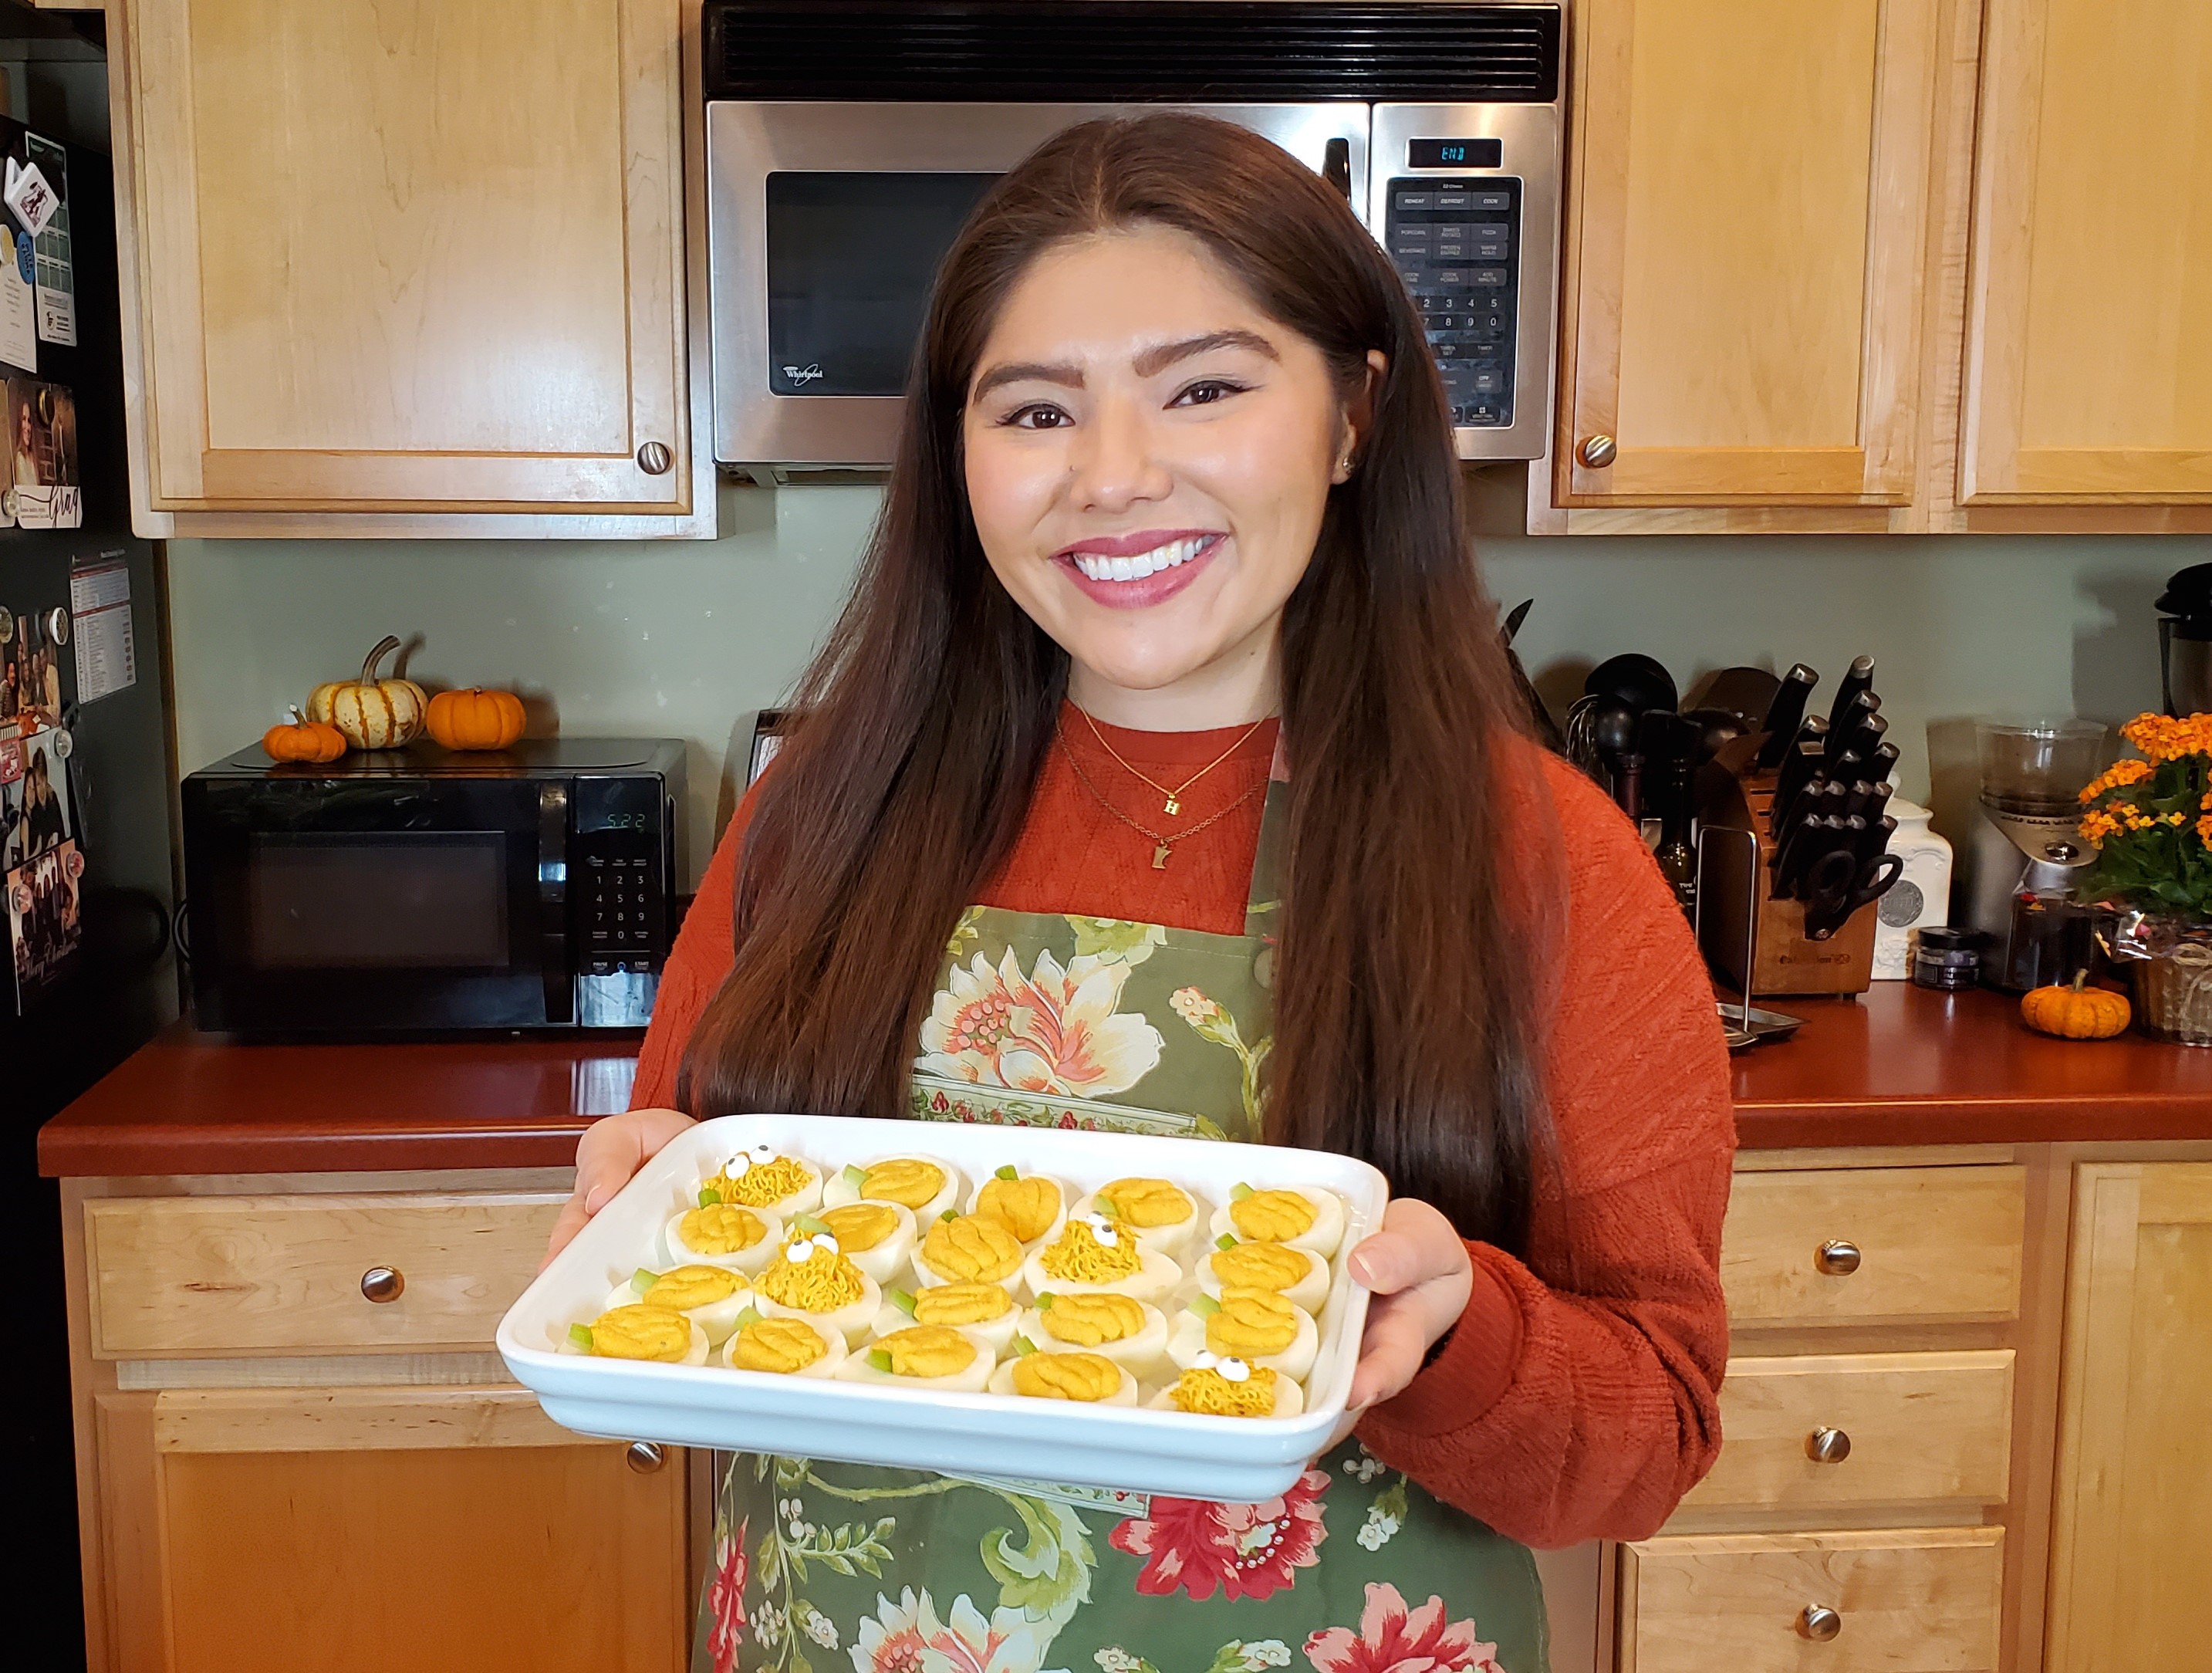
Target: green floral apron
column 1047, row 1021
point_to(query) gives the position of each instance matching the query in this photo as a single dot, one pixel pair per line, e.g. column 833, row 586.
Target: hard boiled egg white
column 1298, row 1276
column 698, row 1237
column 909, row 1358
column 781, row 1346
column 821, row 1286
column 1031, row 1205
column 632, row 1332
column 1165, row 1214
column 710, row 1296
column 1080, row 1321
column 1077, row 1376
column 1290, row 1399
column 1289, row 1215
column 879, row 1237
column 1242, row 1321
column 1092, row 1253
column 984, row 1310
column 924, row 1184
column 764, row 1177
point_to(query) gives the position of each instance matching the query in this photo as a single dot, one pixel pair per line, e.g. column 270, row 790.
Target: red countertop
column 1898, row 1065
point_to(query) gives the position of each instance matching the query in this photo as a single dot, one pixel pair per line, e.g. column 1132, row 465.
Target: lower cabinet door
column 1901, row 1601
column 384, row 1530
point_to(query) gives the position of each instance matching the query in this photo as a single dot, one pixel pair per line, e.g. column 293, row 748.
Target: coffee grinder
column 2026, row 846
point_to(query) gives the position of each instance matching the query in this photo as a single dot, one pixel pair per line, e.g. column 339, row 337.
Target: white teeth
column 1168, row 556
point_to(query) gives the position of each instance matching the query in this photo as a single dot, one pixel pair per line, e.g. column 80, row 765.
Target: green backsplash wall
column 680, row 639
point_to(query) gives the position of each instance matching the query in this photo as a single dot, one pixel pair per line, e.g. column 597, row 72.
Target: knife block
column 1735, row 795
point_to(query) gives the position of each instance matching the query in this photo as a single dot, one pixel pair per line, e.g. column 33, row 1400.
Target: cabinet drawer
column 1900, row 1243
column 1910, row 1600
column 210, row 1274
column 1910, row 1427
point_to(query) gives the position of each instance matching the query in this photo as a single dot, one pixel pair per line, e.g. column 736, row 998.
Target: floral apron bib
column 1041, row 1019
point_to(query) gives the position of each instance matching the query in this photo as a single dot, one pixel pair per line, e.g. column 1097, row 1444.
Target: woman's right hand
column 612, row 1148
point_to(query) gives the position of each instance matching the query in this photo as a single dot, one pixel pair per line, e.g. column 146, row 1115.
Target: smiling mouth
column 1136, row 566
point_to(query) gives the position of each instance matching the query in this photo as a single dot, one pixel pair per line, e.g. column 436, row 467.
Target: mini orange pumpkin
column 303, row 739
column 2077, row 1012
column 476, row 719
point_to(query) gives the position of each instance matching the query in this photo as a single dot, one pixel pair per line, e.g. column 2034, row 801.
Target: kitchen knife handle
column 1857, row 682
column 1784, row 714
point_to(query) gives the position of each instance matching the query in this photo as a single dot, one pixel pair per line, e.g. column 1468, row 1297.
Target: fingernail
column 594, row 1198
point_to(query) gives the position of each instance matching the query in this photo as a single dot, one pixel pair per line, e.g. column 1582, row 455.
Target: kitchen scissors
column 1839, row 883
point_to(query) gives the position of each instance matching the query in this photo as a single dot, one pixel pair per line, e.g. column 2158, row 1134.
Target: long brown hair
column 1405, row 1001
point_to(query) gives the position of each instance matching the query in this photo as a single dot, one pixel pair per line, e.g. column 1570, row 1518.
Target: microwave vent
column 1130, row 51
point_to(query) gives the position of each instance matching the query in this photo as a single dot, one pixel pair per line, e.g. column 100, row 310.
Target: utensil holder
column 1735, row 795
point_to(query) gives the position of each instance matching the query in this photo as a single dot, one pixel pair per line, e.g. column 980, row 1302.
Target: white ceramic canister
column 1920, row 898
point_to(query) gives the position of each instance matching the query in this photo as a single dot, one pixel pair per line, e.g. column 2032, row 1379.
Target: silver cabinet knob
column 1826, row 1445
column 1598, row 451
column 644, row 1457
column 1838, row 1257
column 1818, row 1623
column 383, row 1284
column 654, row 459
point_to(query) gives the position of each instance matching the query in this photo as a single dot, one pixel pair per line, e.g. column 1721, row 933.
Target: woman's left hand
column 1421, row 1277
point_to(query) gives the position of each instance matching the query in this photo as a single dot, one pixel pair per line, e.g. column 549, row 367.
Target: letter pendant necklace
column 1163, row 842
column 1174, row 797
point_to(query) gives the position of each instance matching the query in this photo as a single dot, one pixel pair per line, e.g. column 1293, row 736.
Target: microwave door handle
column 553, row 902
column 1336, row 165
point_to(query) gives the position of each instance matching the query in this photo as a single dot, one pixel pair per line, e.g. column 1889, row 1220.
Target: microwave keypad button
column 1413, row 200
column 1455, row 199
column 1486, row 277
column 1494, row 203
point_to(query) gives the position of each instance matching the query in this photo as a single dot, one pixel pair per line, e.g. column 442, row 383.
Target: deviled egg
column 1031, row 1205
column 710, row 1296
column 878, row 1236
column 1302, row 1219
column 967, row 1248
column 811, row 1279
column 1095, row 1253
column 924, row 1356
column 783, row 1347
column 1092, row 1378
column 764, row 1177
column 1119, row 1327
column 722, row 1234
column 1162, row 1213
column 1298, row 1276
column 922, row 1184
column 981, row 1309
column 1229, row 1388
column 1256, row 1326
column 637, row 1332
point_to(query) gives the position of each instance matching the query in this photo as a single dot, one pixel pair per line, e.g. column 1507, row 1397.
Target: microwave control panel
column 1456, row 243
column 618, row 877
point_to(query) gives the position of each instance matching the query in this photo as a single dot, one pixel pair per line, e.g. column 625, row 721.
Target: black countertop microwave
column 847, row 140
column 426, row 891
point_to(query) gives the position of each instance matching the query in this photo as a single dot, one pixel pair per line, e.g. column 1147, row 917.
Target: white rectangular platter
column 1240, row 1460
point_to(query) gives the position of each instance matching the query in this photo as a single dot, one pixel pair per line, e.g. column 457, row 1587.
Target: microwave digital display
column 1455, row 154
column 386, row 900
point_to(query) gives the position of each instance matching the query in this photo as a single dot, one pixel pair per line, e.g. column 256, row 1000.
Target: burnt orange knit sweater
column 1576, row 1397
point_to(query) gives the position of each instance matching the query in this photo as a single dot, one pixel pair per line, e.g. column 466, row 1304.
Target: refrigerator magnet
column 58, row 624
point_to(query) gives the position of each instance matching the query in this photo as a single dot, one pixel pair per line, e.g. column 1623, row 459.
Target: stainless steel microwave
column 426, row 891
column 848, row 139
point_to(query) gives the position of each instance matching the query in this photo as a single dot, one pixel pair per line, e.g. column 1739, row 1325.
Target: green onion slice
column 1044, row 1301
column 902, row 1300
column 1225, row 1241
column 1205, row 1305
column 1024, row 1346
column 950, row 1213
column 642, row 1279
column 810, row 1225
column 748, row 1314
column 1009, row 1171
column 857, row 1178
column 1239, row 1191
column 581, row 1335
column 879, row 1358
column 708, row 1196
column 1104, row 1205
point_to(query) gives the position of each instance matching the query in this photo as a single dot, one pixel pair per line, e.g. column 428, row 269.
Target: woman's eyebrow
column 1161, row 356
column 1023, row 371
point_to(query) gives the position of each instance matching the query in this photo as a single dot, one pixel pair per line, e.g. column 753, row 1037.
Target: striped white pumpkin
column 373, row 713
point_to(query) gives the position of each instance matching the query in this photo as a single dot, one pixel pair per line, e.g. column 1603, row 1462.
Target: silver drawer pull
column 1818, row 1623
column 383, row 1283
column 644, row 1457
column 1826, row 1445
column 1838, row 1257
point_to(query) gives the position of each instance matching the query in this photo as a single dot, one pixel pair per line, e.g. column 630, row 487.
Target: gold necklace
column 1175, row 796
column 1163, row 842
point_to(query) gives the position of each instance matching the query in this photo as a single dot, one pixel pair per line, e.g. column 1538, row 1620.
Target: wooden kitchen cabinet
column 2130, row 1566
column 2089, row 323
column 395, row 266
column 1747, row 231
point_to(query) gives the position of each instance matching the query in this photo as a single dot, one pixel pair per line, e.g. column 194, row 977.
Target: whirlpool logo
column 804, row 375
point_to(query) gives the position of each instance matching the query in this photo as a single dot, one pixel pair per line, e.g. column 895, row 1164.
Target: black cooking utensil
column 1639, row 681
column 1716, row 727
column 1784, row 713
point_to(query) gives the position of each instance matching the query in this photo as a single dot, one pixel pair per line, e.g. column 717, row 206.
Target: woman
column 1175, row 464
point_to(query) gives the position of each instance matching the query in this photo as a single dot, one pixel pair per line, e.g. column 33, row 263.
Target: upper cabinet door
column 2089, row 347
column 409, row 255
column 1750, row 209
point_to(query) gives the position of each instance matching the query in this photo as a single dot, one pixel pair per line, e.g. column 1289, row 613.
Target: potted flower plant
column 2150, row 818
